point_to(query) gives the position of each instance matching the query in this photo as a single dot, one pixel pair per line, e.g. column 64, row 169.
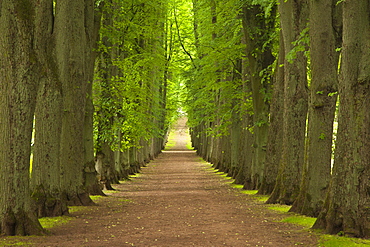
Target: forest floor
column 177, row 200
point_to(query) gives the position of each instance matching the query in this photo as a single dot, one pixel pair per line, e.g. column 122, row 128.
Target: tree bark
column 347, row 205
column 91, row 182
column 71, row 23
column 18, row 91
column 275, row 134
column 294, row 18
column 257, row 31
column 45, row 179
column 323, row 89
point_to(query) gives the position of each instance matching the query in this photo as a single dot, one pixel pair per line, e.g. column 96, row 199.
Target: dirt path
column 177, row 201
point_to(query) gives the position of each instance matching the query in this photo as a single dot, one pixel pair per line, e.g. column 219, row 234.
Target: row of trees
column 87, row 83
column 263, row 92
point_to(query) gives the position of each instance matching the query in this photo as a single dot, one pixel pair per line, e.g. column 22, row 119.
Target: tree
column 293, row 18
column 259, row 30
column 322, row 105
column 275, row 134
column 72, row 21
column 131, row 87
column 18, row 89
column 346, row 208
column 46, row 169
column 216, row 83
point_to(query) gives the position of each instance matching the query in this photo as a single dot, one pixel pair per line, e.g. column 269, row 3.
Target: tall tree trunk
column 90, row 174
column 18, row 91
column 257, row 31
column 294, row 18
column 71, row 21
column 323, row 89
column 45, row 179
column 275, row 134
column 244, row 175
column 346, row 208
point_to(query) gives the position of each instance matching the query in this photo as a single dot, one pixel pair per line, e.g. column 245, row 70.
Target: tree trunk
column 275, row 134
column 90, row 174
column 323, row 89
column 45, row 177
column 244, row 175
column 105, row 166
column 91, row 182
column 71, row 40
column 347, row 206
column 257, row 31
column 293, row 16
column 18, row 91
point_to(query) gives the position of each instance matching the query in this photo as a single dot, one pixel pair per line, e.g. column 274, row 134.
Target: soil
column 177, row 200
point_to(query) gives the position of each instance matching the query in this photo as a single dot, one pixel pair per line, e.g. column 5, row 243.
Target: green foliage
column 300, row 45
column 133, row 96
column 322, row 136
column 215, row 84
column 218, row 89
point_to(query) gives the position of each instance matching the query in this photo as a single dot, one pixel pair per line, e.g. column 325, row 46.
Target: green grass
column 136, row 175
column 261, row 198
column 15, row 241
column 189, row 145
column 300, row 220
column 280, row 208
column 49, row 222
column 73, row 209
column 337, row 241
column 237, row 186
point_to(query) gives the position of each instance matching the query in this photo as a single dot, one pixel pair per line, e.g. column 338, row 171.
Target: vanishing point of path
column 177, row 201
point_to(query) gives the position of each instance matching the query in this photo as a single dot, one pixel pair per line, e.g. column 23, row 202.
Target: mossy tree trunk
column 93, row 26
column 72, row 20
column 45, row 179
column 18, row 91
column 346, row 208
column 323, row 89
column 293, row 18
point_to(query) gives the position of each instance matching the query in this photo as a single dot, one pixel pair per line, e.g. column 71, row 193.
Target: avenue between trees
column 276, row 93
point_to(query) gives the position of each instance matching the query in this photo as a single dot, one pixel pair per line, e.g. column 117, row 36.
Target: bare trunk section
column 275, row 134
column 71, row 22
column 323, row 89
column 257, row 31
column 18, row 91
column 294, row 18
column 346, row 208
column 45, row 177
column 90, row 174
column 244, row 175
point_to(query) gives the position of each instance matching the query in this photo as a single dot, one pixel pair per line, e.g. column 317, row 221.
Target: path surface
column 177, row 201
